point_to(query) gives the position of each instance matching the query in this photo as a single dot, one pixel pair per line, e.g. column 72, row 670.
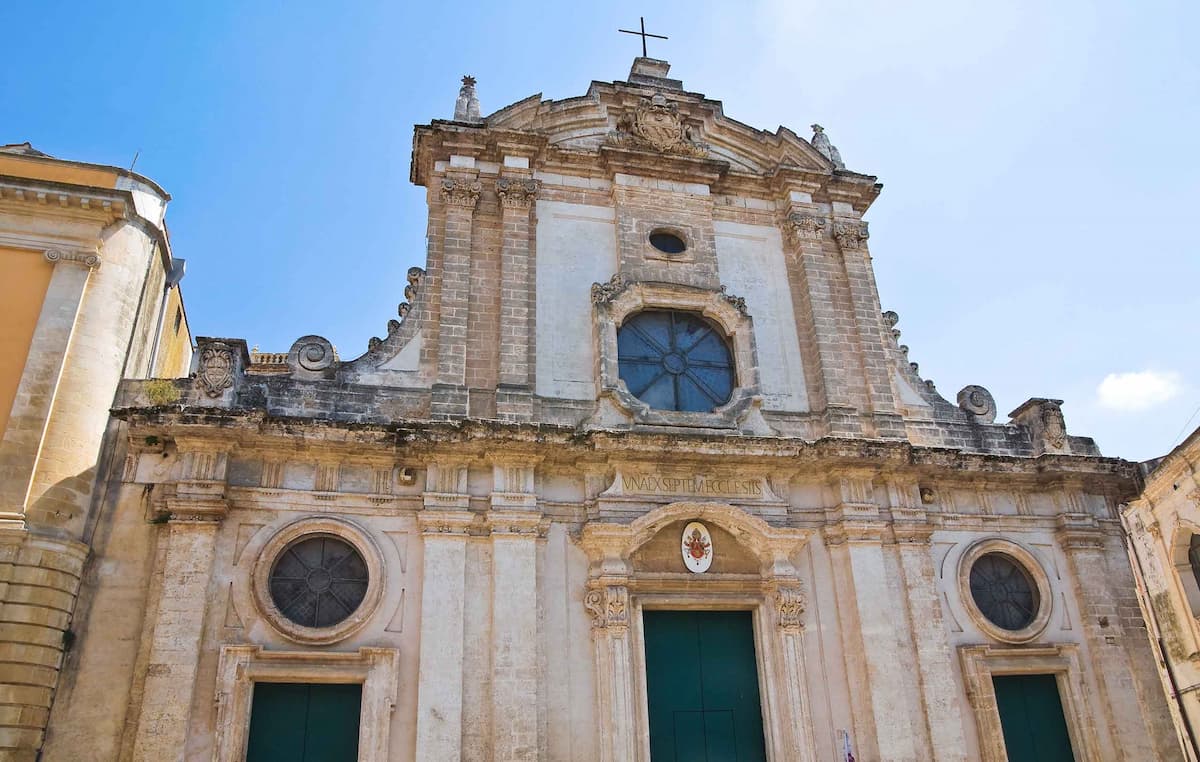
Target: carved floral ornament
column 851, row 235
column 656, row 124
column 805, row 227
column 608, row 606
column 790, row 603
column 461, row 192
column 518, row 192
column 604, row 294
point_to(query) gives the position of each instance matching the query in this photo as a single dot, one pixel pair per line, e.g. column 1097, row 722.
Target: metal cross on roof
column 644, row 34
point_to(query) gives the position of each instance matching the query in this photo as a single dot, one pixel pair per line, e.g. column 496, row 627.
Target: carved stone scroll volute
column 608, row 606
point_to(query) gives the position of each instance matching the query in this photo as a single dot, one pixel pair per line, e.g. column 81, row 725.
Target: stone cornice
column 438, row 140
column 105, row 202
column 423, row 440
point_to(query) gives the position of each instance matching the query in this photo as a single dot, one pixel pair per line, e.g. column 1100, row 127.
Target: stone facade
column 518, row 507
column 1164, row 532
column 86, row 247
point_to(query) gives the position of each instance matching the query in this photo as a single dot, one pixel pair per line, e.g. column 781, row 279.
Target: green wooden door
column 1031, row 715
column 702, row 687
column 293, row 722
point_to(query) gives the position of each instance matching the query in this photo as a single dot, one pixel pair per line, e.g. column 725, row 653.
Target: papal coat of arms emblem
column 697, row 547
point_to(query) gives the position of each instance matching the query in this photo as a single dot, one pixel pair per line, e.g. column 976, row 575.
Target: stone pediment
column 678, row 123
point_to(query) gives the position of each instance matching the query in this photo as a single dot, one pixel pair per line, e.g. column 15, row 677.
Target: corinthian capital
column 790, row 602
column 804, row 227
column 851, row 235
column 461, row 192
column 517, row 192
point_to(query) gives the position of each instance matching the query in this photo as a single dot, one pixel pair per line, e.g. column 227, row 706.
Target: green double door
column 294, row 722
column 702, row 687
column 1031, row 716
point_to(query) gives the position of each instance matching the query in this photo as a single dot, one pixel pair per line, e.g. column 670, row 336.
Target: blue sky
column 1035, row 232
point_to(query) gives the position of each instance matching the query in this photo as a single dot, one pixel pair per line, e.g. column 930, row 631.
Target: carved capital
column 463, row 193
column 851, row 235
column 790, row 603
column 88, row 259
column 449, row 522
column 608, row 606
column 804, row 228
column 517, row 193
column 515, row 523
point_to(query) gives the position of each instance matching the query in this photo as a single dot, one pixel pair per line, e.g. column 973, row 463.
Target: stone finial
column 820, row 141
column 466, row 108
column 977, row 402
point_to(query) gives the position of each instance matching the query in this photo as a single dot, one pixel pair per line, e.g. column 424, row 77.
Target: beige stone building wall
column 83, row 250
column 1162, row 523
column 516, row 505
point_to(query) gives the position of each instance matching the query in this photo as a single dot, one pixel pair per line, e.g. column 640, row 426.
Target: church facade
column 639, row 471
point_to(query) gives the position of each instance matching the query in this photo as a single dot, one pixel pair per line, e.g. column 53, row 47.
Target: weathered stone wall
column 100, row 234
column 1162, row 522
column 484, row 576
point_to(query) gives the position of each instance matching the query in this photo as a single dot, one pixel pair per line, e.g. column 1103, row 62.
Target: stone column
column 943, row 706
column 459, row 195
column 607, row 600
column 820, row 298
column 444, row 522
column 195, row 515
column 851, row 235
column 39, row 582
column 514, row 397
column 514, row 520
column 1110, row 618
column 793, row 722
column 886, row 704
column 39, row 383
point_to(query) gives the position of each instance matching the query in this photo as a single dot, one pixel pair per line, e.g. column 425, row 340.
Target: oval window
column 1004, row 591
column 667, row 243
column 318, row 581
column 675, row 361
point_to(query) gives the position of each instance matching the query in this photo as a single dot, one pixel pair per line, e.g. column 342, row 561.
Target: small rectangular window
column 178, row 318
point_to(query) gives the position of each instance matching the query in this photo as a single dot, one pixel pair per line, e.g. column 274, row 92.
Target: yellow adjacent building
column 89, row 294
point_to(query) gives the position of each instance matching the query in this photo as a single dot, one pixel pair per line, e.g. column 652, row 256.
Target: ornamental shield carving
column 216, row 369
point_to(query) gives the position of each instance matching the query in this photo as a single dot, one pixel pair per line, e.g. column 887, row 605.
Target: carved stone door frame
column 617, row 594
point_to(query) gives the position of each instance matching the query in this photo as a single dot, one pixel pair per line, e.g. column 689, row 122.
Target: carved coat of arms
column 697, row 547
column 216, row 369
column 656, row 124
column 1054, row 427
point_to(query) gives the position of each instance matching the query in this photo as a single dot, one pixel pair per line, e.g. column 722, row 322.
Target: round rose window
column 675, row 361
column 1004, row 592
column 318, row 581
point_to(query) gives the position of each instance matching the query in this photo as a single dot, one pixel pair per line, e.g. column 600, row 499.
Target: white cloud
column 1134, row 392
